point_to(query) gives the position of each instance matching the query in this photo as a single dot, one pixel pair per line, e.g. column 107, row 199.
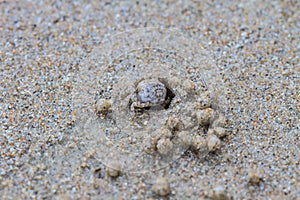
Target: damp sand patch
column 138, row 101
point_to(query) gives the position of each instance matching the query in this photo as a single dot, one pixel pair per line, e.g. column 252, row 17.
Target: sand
column 52, row 52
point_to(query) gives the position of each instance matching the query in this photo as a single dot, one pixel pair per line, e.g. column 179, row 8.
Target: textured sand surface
column 255, row 51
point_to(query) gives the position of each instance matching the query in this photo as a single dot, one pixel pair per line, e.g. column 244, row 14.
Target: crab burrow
column 161, row 113
column 150, row 103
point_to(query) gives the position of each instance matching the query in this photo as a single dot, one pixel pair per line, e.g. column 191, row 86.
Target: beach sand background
column 254, row 48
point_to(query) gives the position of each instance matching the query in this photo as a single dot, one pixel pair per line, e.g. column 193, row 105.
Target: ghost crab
column 149, row 93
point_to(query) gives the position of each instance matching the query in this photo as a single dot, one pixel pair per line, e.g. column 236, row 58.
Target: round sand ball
column 113, row 169
column 204, row 100
column 103, row 106
column 219, row 193
column 254, row 176
column 189, row 85
column 185, row 137
column 199, row 143
column 174, row 123
column 189, row 122
column 164, row 145
column 149, row 144
column 213, row 142
column 164, row 132
column 219, row 122
column 218, row 131
column 204, row 116
column 162, row 186
column 62, row 196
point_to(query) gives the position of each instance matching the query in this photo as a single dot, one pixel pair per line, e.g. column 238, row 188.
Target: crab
column 149, row 93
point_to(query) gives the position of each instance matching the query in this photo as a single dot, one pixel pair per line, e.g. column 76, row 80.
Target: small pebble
column 162, row 186
column 204, row 116
column 114, row 168
column 213, row 142
column 164, row 145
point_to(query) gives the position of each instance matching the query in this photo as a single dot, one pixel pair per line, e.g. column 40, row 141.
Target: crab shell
column 151, row 91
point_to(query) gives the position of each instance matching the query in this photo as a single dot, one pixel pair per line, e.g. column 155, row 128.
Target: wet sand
column 253, row 67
